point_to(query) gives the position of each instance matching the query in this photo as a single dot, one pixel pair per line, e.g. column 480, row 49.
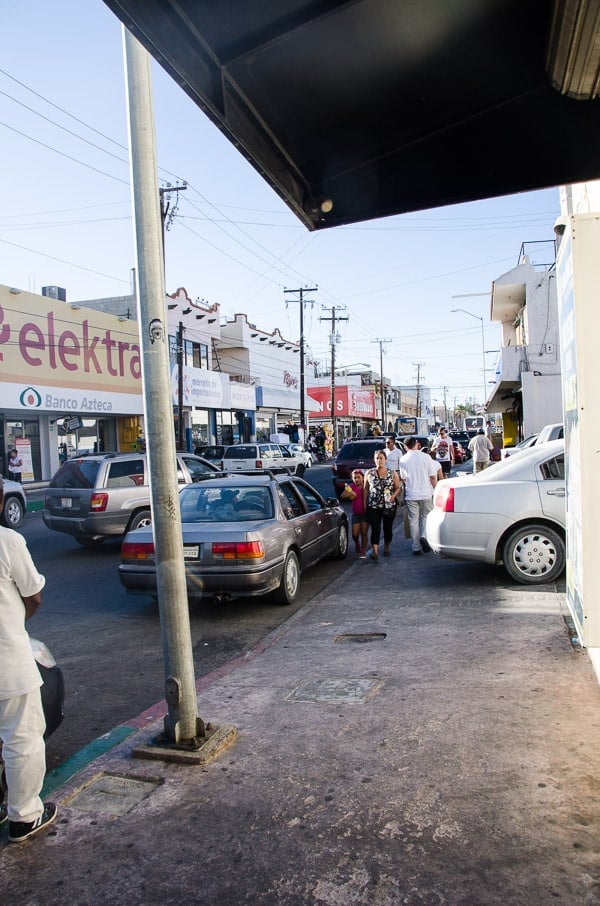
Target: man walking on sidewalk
column 481, row 447
column 443, row 448
column 22, row 722
column 419, row 473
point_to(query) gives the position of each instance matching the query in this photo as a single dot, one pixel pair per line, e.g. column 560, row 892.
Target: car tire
column 140, row 520
column 534, row 554
column 341, row 544
column 290, row 581
column 13, row 513
column 300, row 469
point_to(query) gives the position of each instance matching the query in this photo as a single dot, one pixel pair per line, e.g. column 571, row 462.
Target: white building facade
column 527, row 387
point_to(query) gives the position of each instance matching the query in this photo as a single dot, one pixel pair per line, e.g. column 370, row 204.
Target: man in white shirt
column 443, row 448
column 481, row 447
column 22, row 722
column 419, row 472
column 392, row 454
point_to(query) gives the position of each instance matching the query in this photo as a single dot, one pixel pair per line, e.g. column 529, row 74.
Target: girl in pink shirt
column 360, row 526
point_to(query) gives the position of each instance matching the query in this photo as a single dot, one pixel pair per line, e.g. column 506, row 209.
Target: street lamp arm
column 479, row 318
column 464, row 310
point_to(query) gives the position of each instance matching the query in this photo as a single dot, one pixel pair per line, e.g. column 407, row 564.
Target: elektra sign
column 55, row 357
column 47, row 343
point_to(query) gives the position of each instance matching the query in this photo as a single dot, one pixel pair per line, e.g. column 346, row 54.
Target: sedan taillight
column 444, row 499
column 238, row 550
column 134, row 550
column 98, row 502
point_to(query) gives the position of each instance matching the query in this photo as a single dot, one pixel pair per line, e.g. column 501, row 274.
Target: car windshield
column 76, row 473
column 231, row 504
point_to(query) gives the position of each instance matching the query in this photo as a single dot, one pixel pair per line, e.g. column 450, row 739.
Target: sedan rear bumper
column 238, row 583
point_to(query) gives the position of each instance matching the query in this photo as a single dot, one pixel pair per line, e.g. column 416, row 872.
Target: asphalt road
column 109, row 644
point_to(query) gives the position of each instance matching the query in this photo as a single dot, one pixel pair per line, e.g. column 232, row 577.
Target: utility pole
column 445, row 389
column 167, row 213
column 180, row 360
column 168, row 209
column 382, row 384
column 418, row 366
column 302, row 301
column 334, row 339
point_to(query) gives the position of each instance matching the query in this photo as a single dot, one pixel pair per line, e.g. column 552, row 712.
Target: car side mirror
column 332, row 501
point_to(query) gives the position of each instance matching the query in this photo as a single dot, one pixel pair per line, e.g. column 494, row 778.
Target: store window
column 200, row 427
column 227, row 428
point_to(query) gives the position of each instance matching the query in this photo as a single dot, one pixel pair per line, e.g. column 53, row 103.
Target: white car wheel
column 534, row 554
column 290, row 581
column 341, row 546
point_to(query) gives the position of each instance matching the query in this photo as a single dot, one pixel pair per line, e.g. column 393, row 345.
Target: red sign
column 350, row 401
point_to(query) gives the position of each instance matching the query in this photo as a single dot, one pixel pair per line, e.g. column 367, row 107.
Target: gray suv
column 107, row 494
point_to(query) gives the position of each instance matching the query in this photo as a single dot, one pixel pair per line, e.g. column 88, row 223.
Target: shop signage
column 56, row 357
column 349, row 401
column 211, row 390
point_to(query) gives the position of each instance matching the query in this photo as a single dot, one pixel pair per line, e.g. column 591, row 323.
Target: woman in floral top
column 382, row 487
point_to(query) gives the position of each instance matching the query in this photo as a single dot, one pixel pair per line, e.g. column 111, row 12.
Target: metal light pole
column 464, row 311
column 182, row 727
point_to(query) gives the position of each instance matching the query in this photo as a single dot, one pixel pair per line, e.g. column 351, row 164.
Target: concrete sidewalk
column 403, row 739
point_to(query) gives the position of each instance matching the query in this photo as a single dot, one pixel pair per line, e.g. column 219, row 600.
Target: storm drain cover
column 360, row 638
column 348, row 690
column 112, row 794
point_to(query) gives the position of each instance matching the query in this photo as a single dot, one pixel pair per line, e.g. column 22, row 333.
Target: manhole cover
column 350, row 690
column 360, row 637
column 112, row 794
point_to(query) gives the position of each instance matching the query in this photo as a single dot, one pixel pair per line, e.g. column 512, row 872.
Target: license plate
column 191, row 551
column 66, row 503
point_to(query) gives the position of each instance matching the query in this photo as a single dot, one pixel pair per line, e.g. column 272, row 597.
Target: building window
column 194, row 354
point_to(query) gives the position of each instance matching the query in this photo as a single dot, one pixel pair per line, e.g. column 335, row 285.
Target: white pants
column 417, row 513
column 22, row 726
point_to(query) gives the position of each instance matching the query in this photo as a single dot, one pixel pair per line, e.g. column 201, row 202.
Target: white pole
column 182, row 725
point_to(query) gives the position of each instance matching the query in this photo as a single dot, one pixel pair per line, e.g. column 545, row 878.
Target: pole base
column 213, row 744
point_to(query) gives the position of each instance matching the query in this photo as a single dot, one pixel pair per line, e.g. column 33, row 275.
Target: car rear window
column 210, row 452
column 241, row 452
column 76, row 473
column 359, row 451
column 125, row 473
column 229, row 504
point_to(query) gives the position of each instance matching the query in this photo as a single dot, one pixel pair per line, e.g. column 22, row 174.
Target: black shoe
column 22, row 830
column 3, row 815
column 417, row 553
column 425, row 545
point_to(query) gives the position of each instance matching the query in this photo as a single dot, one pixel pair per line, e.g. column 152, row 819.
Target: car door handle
column 558, row 492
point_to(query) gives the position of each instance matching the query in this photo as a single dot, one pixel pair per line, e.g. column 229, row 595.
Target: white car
column 250, row 456
column 511, row 513
column 524, row 444
column 548, row 432
column 302, row 453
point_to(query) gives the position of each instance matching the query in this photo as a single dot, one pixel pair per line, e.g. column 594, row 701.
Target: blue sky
column 67, row 216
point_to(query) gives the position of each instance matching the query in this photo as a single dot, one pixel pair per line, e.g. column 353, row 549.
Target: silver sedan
column 512, row 513
column 244, row 535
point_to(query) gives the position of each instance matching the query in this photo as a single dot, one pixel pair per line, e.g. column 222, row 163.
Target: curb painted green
column 85, row 756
